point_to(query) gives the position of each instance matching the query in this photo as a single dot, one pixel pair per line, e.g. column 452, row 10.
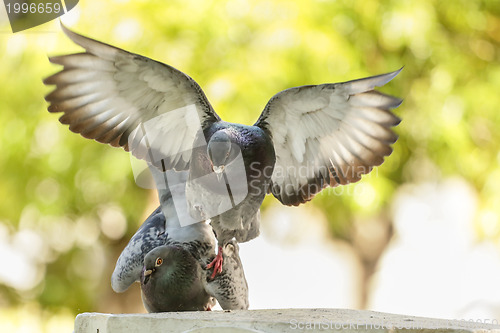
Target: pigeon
column 173, row 280
column 169, row 261
column 307, row 138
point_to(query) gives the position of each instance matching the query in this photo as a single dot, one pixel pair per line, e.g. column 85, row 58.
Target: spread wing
column 328, row 135
column 127, row 100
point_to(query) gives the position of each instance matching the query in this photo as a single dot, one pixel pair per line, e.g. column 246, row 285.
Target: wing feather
column 83, row 60
column 328, row 135
column 129, row 265
column 108, row 94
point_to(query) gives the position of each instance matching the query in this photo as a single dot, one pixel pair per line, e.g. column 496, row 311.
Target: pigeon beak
column 147, row 275
column 218, row 171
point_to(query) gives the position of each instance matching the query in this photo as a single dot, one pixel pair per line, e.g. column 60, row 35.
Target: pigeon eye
column 158, row 262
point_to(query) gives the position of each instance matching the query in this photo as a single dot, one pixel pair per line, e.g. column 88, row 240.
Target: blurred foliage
column 65, row 190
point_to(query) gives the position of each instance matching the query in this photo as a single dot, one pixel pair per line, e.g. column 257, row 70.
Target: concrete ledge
column 272, row 321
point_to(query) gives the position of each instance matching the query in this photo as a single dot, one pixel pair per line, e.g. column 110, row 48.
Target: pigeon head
column 171, row 280
column 220, row 151
column 164, row 262
column 152, row 262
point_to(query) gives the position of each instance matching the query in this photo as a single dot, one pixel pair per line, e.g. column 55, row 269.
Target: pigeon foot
column 216, row 264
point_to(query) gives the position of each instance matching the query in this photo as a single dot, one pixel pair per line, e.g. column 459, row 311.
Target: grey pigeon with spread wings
column 307, row 138
column 169, row 260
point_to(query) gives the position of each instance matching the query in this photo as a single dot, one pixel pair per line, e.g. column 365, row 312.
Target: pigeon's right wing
column 126, row 100
column 129, row 265
column 230, row 287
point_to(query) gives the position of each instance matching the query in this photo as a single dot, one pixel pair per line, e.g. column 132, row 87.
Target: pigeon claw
column 216, row 264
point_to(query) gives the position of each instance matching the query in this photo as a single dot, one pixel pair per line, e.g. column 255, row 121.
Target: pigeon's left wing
column 129, row 265
column 230, row 287
column 328, row 135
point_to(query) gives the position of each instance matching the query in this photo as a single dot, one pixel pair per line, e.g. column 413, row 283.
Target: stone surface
column 271, row 321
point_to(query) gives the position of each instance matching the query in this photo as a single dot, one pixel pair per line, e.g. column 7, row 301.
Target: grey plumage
column 181, row 284
column 229, row 287
column 172, row 280
column 131, row 261
column 307, row 138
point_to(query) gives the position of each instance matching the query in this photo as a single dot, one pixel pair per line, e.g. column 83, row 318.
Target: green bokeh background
column 61, row 186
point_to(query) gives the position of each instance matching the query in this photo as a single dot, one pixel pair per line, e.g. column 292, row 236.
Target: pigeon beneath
column 307, row 138
column 169, row 261
column 173, row 280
